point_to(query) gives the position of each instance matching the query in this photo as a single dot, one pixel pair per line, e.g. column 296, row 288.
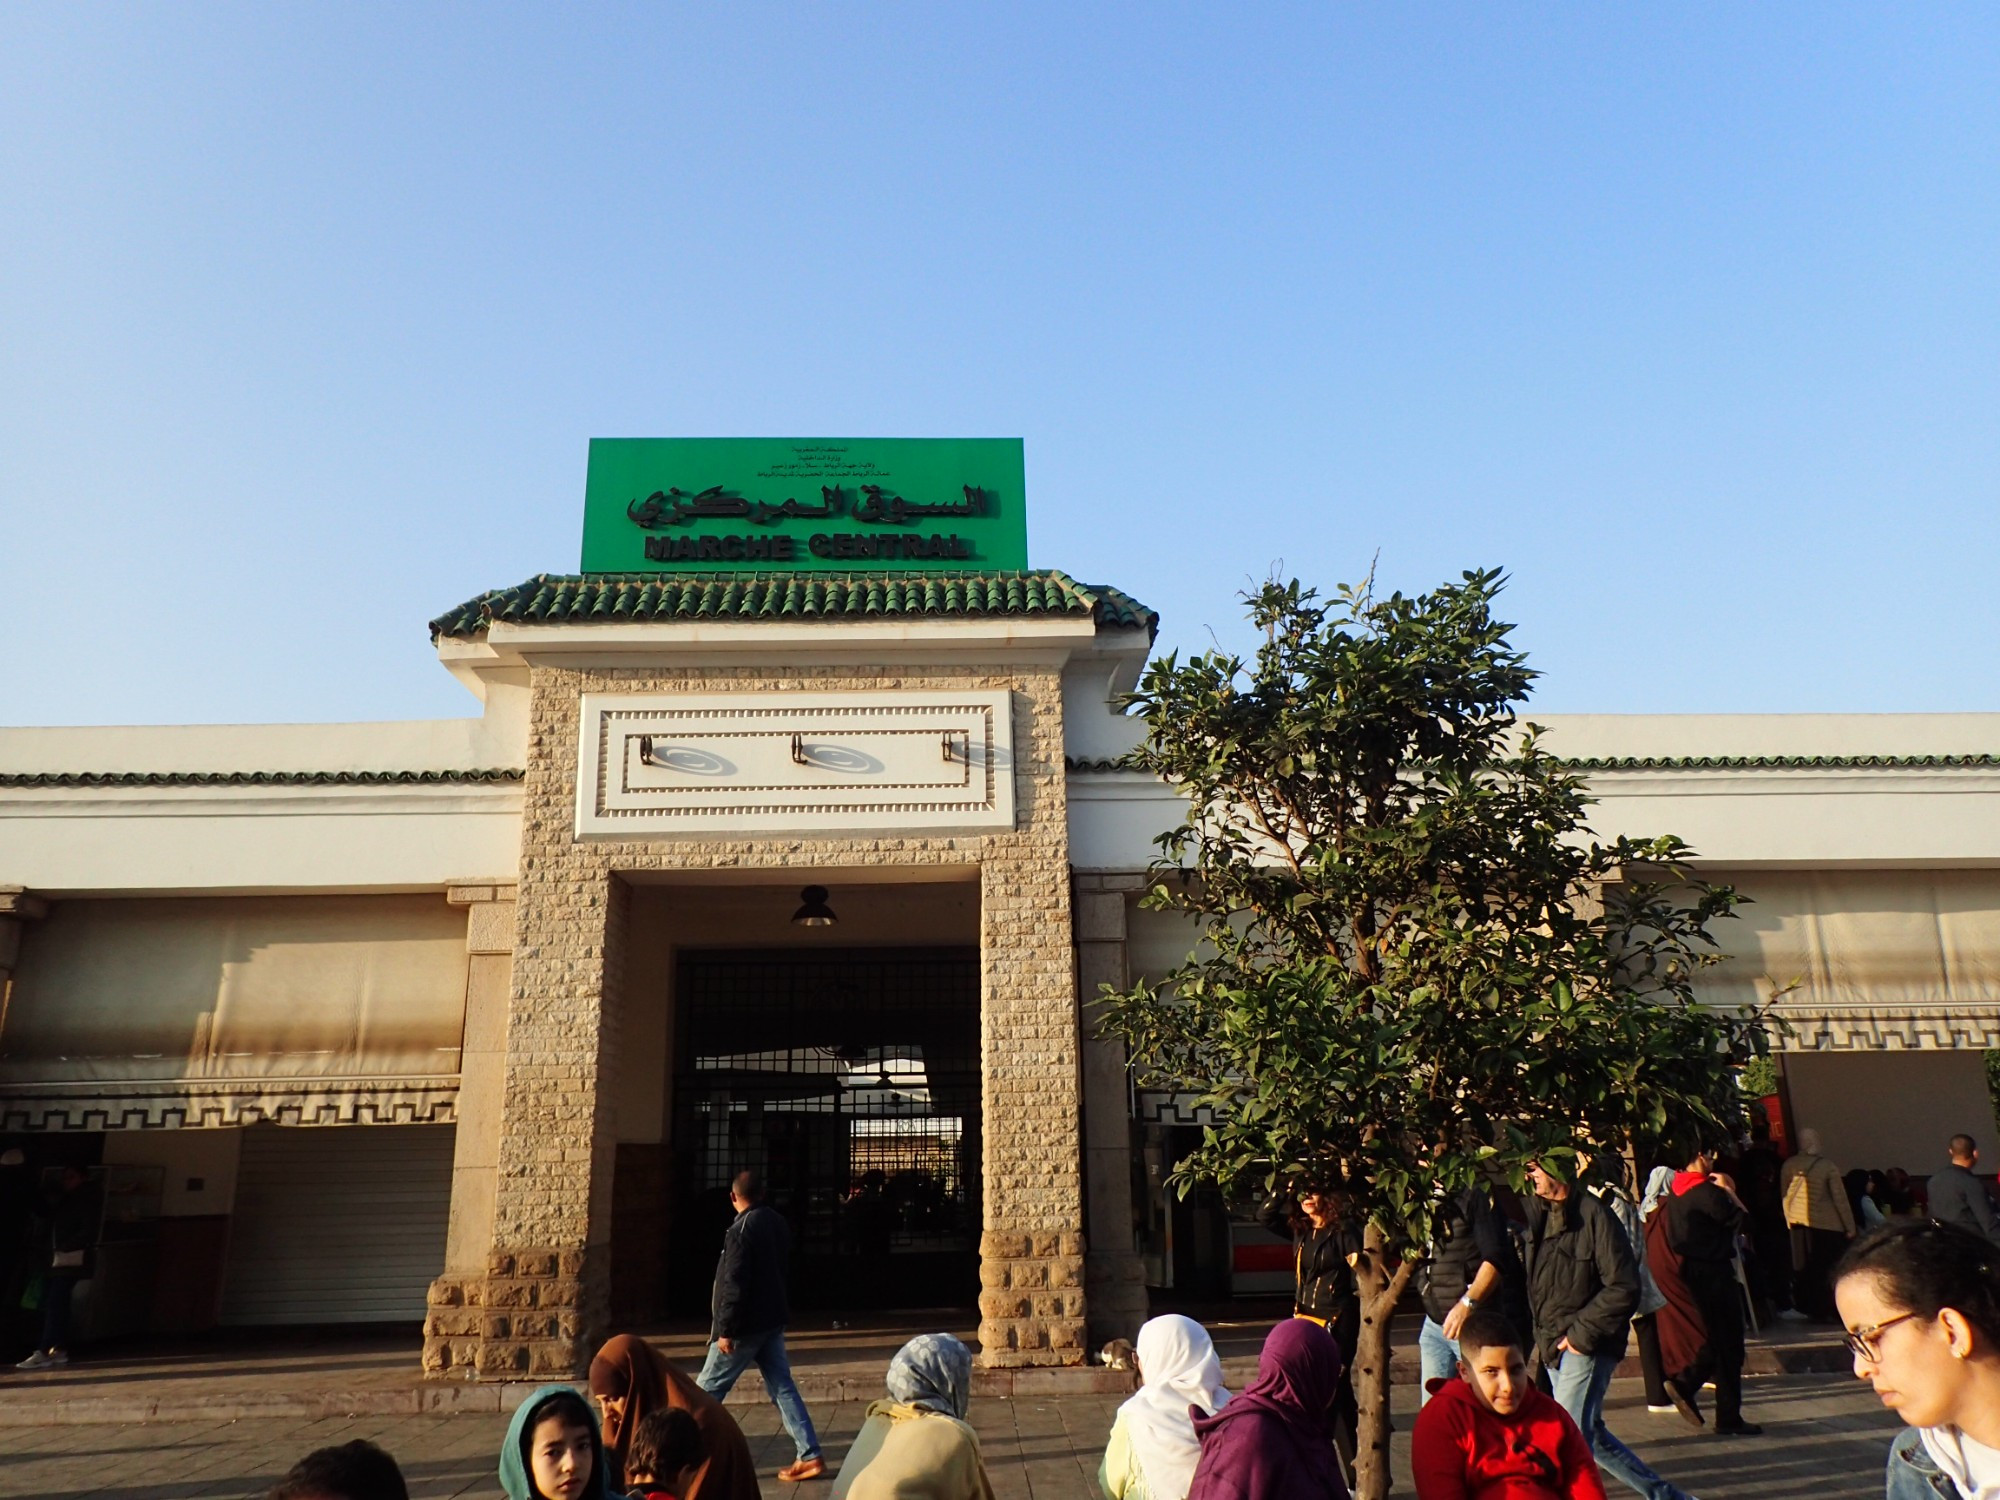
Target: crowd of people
column 1529, row 1305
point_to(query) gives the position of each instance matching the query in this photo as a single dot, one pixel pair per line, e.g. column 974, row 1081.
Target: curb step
column 45, row 1403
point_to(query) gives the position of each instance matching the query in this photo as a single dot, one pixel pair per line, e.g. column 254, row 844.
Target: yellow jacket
column 909, row 1453
column 1815, row 1197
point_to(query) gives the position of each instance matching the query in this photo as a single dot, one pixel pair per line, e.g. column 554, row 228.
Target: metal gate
column 850, row 1081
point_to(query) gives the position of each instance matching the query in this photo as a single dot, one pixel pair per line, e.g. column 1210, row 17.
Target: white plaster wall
column 1852, row 817
column 248, row 840
column 1891, row 1109
column 189, row 1156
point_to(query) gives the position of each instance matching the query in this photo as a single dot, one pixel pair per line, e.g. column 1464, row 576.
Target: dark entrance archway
column 850, row 1080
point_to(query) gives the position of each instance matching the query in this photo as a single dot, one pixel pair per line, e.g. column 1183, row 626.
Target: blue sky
column 1689, row 316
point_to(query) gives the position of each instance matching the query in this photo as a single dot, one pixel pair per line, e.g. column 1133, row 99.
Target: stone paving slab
column 1826, row 1439
column 306, row 1380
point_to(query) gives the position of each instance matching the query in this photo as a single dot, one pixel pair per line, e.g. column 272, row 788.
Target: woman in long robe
column 629, row 1378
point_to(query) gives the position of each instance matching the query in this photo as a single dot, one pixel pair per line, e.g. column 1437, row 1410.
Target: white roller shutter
column 344, row 1224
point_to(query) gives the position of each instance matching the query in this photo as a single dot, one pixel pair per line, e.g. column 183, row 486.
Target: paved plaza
column 1826, row 1437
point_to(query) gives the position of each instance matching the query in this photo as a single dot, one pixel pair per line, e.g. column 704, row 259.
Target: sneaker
column 805, row 1468
column 1661, row 1411
column 41, row 1359
column 1739, row 1429
column 59, row 1356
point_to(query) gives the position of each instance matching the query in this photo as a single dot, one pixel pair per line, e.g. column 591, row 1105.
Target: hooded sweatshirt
column 516, row 1474
column 1462, row 1450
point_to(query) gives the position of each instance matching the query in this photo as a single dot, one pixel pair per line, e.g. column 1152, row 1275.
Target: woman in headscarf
column 629, row 1378
column 1152, row 1452
column 553, row 1450
column 1275, row 1441
column 917, row 1445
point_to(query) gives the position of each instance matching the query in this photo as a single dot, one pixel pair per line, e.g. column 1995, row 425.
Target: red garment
column 1462, row 1451
column 1686, row 1180
column 1683, row 1334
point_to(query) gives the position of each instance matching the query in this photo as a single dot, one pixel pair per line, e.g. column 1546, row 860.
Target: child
column 552, row 1450
column 1490, row 1435
column 353, row 1471
column 666, row 1457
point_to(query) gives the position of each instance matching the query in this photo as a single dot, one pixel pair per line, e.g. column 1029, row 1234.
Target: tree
column 1418, row 969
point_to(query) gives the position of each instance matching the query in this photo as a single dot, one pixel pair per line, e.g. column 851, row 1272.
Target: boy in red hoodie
column 1490, row 1435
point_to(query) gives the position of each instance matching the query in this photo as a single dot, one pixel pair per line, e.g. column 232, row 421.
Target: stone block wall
column 542, row 1300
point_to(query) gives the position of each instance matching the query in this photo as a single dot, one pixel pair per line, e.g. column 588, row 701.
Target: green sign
column 706, row 505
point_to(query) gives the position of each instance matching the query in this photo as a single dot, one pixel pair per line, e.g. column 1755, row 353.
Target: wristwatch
column 1467, row 1303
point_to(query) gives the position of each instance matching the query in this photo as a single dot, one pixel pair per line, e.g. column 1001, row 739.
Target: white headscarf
column 1178, row 1365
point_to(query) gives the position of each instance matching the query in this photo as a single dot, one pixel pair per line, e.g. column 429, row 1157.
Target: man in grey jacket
column 1958, row 1197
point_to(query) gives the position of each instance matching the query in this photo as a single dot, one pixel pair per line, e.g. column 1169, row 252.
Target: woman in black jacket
column 1324, row 1290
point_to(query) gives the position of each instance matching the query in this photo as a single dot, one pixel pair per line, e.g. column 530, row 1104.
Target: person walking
column 1703, row 1219
column 1957, row 1196
column 1583, row 1284
column 1325, row 1291
column 1472, row 1264
column 1822, row 1223
column 1631, row 1218
column 749, row 1313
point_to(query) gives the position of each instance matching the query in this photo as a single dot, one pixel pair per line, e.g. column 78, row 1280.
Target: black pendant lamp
column 813, row 910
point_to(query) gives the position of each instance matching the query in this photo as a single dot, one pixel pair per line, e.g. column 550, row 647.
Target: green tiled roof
column 1781, row 762
column 254, row 778
column 622, row 598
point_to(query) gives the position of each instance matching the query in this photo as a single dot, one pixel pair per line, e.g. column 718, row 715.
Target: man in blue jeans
column 1471, row 1264
column 750, row 1310
column 1583, row 1283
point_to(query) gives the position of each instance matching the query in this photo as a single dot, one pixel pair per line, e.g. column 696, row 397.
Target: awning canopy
column 1867, row 958
column 228, row 1010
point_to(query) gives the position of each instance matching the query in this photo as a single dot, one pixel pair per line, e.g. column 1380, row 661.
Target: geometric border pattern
column 1159, row 1108
column 194, row 1103
column 1861, row 1028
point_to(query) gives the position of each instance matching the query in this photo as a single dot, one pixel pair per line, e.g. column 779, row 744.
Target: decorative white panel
column 748, row 763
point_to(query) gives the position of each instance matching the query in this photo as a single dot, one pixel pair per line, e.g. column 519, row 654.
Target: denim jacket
column 1913, row 1475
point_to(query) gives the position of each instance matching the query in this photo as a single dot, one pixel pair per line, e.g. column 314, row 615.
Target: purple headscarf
column 1275, row 1441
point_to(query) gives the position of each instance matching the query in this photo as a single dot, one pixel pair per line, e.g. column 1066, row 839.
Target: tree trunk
column 1381, row 1279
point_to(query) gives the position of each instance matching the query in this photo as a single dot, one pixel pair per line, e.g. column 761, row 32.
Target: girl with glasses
column 1921, row 1302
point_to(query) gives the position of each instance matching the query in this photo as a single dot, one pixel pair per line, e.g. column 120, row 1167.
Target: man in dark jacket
column 750, row 1310
column 1583, row 1284
column 1958, row 1197
column 1471, row 1264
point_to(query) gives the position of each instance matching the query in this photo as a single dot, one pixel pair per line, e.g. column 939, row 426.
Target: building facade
column 470, row 1021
